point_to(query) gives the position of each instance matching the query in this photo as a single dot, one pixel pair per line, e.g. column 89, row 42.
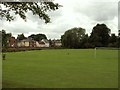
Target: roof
column 41, row 42
column 27, row 40
column 45, row 40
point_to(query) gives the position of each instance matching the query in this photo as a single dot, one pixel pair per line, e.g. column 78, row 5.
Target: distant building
column 43, row 43
column 11, row 42
column 56, row 43
column 46, row 42
column 29, row 42
column 26, row 43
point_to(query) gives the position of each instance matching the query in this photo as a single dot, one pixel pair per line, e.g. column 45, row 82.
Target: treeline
column 100, row 36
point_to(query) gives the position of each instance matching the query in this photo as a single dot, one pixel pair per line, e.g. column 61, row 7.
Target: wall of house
column 23, row 44
column 42, row 45
column 26, row 44
column 37, row 44
column 11, row 42
column 19, row 44
column 58, row 44
column 47, row 45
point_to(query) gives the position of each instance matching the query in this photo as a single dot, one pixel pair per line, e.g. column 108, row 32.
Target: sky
column 74, row 13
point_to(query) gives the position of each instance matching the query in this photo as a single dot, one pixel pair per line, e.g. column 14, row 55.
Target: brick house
column 11, row 42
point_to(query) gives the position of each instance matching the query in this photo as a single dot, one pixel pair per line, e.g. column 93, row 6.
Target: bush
column 19, row 49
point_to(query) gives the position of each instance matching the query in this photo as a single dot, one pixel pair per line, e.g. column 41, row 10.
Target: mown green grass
column 65, row 68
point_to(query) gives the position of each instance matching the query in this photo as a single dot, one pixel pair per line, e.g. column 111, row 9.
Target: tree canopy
column 21, row 8
column 73, row 37
column 38, row 37
column 21, row 37
column 100, row 35
column 5, row 36
column 113, row 41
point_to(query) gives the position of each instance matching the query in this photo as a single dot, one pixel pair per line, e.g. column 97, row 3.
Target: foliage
column 73, row 37
column 118, row 39
column 21, row 37
column 5, row 36
column 100, row 35
column 85, row 42
column 20, row 49
column 20, row 8
column 113, row 40
column 38, row 37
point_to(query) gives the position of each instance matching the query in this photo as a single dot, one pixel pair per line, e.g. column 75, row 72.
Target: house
column 56, row 43
column 43, row 43
column 37, row 44
column 26, row 43
column 40, row 44
column 11, row 42
column 46, row 42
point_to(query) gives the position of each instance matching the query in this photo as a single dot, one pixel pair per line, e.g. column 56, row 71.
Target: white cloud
column 74, row 13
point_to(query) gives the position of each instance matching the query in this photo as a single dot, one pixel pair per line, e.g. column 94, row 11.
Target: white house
column 47, row 44
column 43, row 43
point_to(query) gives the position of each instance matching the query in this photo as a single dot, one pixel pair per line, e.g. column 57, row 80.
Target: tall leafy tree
column 0, row 39
column 4, row 39
column 113, row 41
column 113, row 38
column 5, row 36
column 20, row 8
column 85, row 42
column 100, row 35
column 73, row 37
column 21, row 37
column 38, row 37
column 118, row 38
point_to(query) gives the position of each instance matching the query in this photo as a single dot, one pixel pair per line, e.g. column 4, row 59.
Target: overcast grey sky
column 74, row 13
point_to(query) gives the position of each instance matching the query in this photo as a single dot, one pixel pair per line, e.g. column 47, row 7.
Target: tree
column 0, row 39
column 4, row 39
column 100, row 35
column 5, row 36
column 50, row 42
column 73, row 37
column 113, row 38
column 21, row 37
column 118, row 32
column 20, row 8
column 113, row 41
column 38, row 37
column 85, row 42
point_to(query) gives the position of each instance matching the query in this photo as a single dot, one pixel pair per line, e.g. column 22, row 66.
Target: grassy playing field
column 65, row 68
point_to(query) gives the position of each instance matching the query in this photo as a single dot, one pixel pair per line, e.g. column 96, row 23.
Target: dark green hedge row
column 28, row 49
column 18, row 49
